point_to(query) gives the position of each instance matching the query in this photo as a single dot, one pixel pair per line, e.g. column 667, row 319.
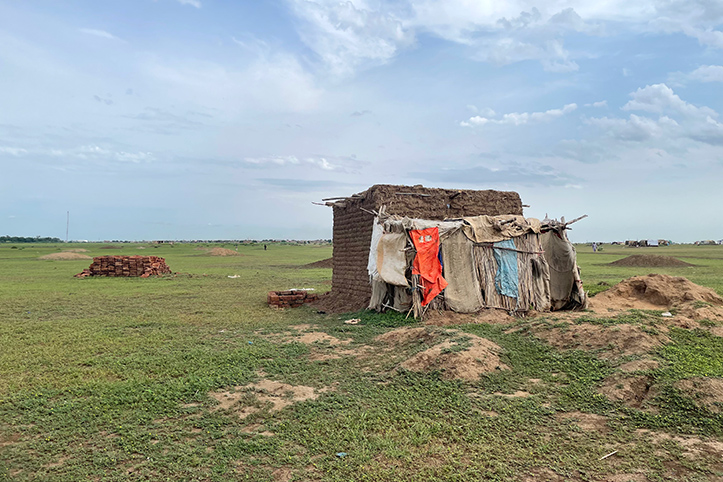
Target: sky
column 220, row 119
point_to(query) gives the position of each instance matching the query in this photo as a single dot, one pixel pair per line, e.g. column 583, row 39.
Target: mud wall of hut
column 353, row 228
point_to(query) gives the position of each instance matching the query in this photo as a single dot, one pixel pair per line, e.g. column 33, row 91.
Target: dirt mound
column 654, row 292
column 466, row 360
column 491, row 316
column 618, row 340
column 324, row 263
column 648, row 260
column 639, row 366
column 305, row 334
column 65, row 256
column 222, row 252
column 631, row 391
column 331, row 302
column 265, row 394
column 589, row 422
column 707, row 392
column 77, row 250
column 111, row 247
column 405, row 336
column 464, row 356
column 310, row 337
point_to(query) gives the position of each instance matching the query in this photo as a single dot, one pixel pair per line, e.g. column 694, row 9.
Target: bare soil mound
column 65, row 256
column 324, row 263
column 308, row 337
column 266, row 394
column 707, row 392
column 111, row 247
column 332, row 302
column 631, row 391
column 617, row 340
column 222, row 252
column 639, row 366
column 405, row 336
column 654, row 291
column 650, row 260
column 489, row 316
column 589, row 422
column 457, row 361
column 464, row 357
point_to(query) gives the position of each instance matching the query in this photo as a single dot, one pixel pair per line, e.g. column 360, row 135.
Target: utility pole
column 67, row 227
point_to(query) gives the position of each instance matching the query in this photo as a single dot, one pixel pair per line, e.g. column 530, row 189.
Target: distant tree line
column 24, row 239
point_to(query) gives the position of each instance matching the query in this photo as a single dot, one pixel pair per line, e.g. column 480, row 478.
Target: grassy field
column 120, row 379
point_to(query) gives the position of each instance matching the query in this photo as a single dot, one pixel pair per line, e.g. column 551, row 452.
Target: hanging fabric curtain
column 506, row 278
column 426, row 262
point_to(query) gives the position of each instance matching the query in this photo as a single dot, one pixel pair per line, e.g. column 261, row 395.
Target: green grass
column 109, row 379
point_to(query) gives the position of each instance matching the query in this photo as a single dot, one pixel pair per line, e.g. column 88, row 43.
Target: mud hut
column 362, row 220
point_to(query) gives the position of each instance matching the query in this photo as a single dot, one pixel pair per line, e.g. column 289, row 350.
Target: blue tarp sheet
column 507, row 277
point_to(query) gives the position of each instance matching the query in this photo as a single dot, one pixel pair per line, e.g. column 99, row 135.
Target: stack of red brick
column 137, row 266
column 290, row 298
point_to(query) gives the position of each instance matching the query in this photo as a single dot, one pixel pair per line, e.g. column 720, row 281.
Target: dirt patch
column 626, row 477
column 543, row 474
column 311, row 337
column 254, row 429
column 405, row 336
column 466, row 360
column 619, row 340
column 111, row 247
column 460, row 356
column 589, row 422
column 693, row 445
column 65, row 256
column 58, row 463
column 698, row 311
column 517, row 394
column 337, row 354
column 707, row 392
column 631, row 391
column 222, row 252
column 639, row 366
column 10, row 440
column 270, row 394
column 282, row 474
column 77, row 250
column 654, row 292
column 489, row 316
column 650, row 260
column 324, row 263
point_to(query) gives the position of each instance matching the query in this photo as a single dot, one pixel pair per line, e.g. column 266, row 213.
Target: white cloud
column 353, row 34
column 350, row 35
column 659, row 98
column 707, row 73
column 193, row 3
column 278, row 83
column 134, row 157
column 520, row 118
column 93, row 152
column 13, row 151
column 99, row 33
column 680, row 125
column 320, row 162
column 635, row 128
column 602, row 103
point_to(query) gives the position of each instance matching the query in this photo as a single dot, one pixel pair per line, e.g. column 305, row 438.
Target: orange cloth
column 426, row 262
